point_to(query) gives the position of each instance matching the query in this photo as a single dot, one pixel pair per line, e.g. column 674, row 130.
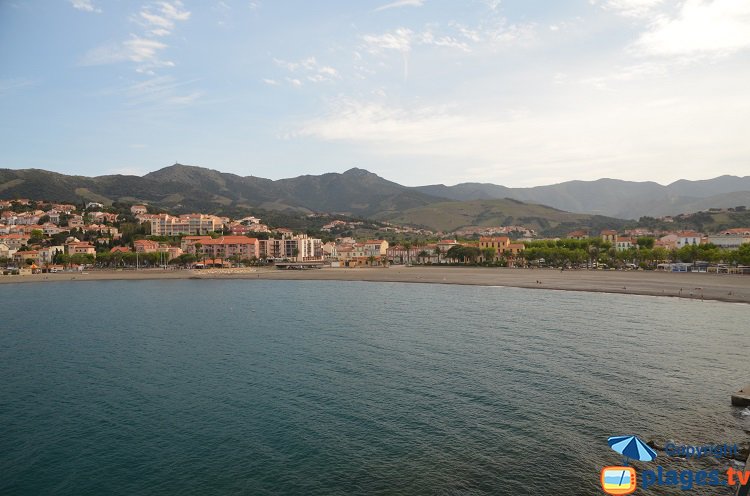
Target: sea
column 256, row 387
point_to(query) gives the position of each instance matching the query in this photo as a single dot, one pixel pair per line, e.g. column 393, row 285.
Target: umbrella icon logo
column 631, row 448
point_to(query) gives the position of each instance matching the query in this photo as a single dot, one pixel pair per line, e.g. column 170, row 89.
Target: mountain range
column 357, row 192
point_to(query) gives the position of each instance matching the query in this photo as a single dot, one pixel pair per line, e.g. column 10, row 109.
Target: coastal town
column 39, row 237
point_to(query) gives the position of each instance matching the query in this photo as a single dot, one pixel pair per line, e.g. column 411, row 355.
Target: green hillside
column 449, row 216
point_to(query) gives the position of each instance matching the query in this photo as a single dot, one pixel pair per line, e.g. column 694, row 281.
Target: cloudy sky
column 519, row 93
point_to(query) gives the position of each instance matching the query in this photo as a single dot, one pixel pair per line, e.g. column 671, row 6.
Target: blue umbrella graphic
column 631, row 448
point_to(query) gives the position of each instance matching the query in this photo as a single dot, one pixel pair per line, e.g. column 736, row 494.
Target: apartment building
column 192, row 224
column 230, row 246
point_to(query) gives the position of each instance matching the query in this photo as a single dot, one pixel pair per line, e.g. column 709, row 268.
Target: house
column 668, row 241
column 15, row 241
column 580, row 234
column 330, row 251
column 90, row 205
column 609, row 236
column 625, row 243
column 686, row 238
column 47, row 255
column 80, row 248
column 75, row 222
column 145, row 246
column 138, row 209
column 20, row 257
column 5, row 251
column 120, row 249
column 50, row 229
column 376, row 247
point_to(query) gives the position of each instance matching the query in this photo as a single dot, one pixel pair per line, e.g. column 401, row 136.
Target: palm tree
column 407, row 246
column 438, row 252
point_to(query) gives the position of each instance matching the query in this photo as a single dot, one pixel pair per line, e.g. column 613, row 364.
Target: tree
column 407, row 246
column 488, row 254
column 438, row 252
column 423, row 255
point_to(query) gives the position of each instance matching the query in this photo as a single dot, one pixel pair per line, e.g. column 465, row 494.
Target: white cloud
column 400, row 3
column 161, row 91
column 8, row 86
column 311, row 68
column 159, row 18
column 399, row 40
column 632, row 8
column 85, row 5
column 634, row 135
column 271, row 82
column 718, row 27
column 137, row 49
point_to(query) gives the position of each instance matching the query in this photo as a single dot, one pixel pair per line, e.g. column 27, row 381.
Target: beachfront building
column 224, row 247
column 300, row 248
column 188, row 243
column 5, row 251
column 47, row 255
column 688, row 238
column 731, row 238
column 80, row 248
column 146, row 246
column 190, row 224
column 498, row 243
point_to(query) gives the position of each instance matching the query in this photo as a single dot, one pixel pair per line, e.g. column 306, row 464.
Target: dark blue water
column 282, row 387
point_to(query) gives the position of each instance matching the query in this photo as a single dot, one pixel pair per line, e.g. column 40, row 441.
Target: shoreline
column 717, row 287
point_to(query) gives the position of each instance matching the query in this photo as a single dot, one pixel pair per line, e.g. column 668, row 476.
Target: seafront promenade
column 695, row 286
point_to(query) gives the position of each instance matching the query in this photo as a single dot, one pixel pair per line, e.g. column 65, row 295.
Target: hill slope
column 187, row 188
column 613, row 197
column 449, row 216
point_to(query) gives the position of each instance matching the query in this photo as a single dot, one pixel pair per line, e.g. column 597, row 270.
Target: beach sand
column 731, row 288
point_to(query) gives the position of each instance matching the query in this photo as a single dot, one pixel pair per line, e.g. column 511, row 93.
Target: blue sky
column 519, row 93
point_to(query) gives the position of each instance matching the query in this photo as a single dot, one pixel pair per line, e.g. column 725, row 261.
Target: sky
column 519, row 93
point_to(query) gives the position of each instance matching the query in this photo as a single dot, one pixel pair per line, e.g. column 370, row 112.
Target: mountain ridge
column 359, row 192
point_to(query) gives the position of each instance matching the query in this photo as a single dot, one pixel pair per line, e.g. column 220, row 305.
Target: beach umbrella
column 631, row 447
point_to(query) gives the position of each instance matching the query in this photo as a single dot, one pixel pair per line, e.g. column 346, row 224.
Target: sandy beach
column 723, row 287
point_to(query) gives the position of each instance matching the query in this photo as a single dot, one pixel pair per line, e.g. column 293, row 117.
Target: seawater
column 338, row 388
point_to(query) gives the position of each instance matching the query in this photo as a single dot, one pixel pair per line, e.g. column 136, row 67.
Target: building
column 685, row 238
column 138, row 209
column 191, row 224
column 223, row 247
column 300, row 248
column 188, row 243
column 145, row 246
column 625, row 243
column 609, row 236
column 47, row 255
column 580, row 234
column 5, row 251
column 80, row 248
column 731, row 238
column 376, row 247
column 14, row 241
column 499, row 244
